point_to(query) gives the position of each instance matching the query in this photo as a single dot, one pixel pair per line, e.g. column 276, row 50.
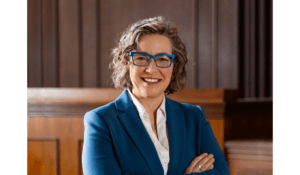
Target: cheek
column 135, row 72
column 167, row 74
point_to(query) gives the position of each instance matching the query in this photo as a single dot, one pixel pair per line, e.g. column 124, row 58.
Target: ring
column 199, row 166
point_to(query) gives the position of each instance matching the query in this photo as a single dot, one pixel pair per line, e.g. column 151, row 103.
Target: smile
column 152, row 80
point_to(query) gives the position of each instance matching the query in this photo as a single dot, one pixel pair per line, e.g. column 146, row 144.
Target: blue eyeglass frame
column 151, row 56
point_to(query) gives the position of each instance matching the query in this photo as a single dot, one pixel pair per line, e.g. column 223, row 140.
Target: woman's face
column 152, row 44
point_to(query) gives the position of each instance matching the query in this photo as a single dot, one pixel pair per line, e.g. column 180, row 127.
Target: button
column 165, row 161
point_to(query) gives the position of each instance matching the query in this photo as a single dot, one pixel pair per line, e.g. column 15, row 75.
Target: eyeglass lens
column 143, row 60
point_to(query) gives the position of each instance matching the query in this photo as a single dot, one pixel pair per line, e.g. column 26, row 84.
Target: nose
column 151, row 66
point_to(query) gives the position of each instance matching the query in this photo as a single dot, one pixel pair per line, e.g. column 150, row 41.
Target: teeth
column 151, row 80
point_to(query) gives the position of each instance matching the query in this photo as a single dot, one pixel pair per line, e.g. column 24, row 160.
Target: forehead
column 154, row 43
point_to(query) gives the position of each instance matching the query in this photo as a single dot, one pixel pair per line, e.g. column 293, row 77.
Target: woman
column 143, row 131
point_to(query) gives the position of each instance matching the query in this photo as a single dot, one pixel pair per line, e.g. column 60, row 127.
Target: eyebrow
column 157, row 53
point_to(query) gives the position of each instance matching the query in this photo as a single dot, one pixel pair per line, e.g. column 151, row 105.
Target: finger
column 202, row 162
column 197, row 159
column 206, row 162
column 194, row 162
column 211, row 167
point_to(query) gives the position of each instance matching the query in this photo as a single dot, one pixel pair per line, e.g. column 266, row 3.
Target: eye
column 141, row 58
column 163, row 58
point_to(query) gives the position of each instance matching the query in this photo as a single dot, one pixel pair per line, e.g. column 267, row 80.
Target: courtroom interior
column 229, row 74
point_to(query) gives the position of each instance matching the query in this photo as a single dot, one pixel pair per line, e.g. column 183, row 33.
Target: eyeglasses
column 143, row 59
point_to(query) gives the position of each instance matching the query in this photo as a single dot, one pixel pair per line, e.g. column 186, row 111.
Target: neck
column 151, row 104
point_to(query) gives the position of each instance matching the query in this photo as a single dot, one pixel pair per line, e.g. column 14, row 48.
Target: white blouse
column 162, row 143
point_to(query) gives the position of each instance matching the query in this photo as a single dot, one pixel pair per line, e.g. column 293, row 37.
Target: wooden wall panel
column 246, row 56
column 252, row 48
column 206, row 43
column 68, row 130
column 89, row 11
column 271, row 51
column 42, row 156
column 227, row 44
column 69, row 46
column 34, row 44
column 218, row 129
column 50, row 43
column 255, row 47
column 261, row 48
column 249, row 120
column 70, row 42
column 181, row 13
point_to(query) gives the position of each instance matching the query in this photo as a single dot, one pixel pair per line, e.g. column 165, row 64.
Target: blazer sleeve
column 98, row 154
column 210, row 145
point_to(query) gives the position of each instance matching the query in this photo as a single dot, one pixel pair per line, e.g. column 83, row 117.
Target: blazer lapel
column 133, row 125
column 176, row 131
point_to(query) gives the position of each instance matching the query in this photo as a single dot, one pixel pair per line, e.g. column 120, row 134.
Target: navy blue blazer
column 116, row 141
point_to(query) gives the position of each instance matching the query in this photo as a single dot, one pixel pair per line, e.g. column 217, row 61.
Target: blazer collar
column 136, row 130
column 176, row 132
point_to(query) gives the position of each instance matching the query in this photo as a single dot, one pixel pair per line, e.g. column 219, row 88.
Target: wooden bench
column 250, row 157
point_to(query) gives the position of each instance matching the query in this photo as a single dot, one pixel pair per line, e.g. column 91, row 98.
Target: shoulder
column 188, row 109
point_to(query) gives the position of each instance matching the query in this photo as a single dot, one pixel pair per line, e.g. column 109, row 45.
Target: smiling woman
column 143, row 131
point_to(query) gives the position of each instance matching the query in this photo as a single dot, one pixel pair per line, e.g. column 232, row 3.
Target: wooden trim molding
column 77, row 101
column 250, row 150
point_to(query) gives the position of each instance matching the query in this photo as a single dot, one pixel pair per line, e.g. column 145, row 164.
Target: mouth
column 151, row 80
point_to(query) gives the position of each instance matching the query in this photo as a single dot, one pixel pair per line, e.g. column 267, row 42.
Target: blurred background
column 229, row 44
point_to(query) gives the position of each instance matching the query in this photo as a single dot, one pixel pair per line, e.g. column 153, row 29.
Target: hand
column 205, row 160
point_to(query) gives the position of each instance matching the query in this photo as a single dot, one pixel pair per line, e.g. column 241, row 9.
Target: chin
column 152, row 93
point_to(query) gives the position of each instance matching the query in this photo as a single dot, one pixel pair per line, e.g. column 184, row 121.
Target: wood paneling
column 252, row 49
column 88, row 30
column 261, row 48
column 35, row 73
column 217, row 44
column 246, row 44
column 69, row 50
column 42, row 156
column 50, row 43
column 227, row 44
column 218, row 125
column 271, row 51
column 116, row 15
column 255, row 47
column 249, row 120
column 68, row 130
column 80, row 148
column 58, row 113
column 206, row 43
column 89, row 10
column 250, row 157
